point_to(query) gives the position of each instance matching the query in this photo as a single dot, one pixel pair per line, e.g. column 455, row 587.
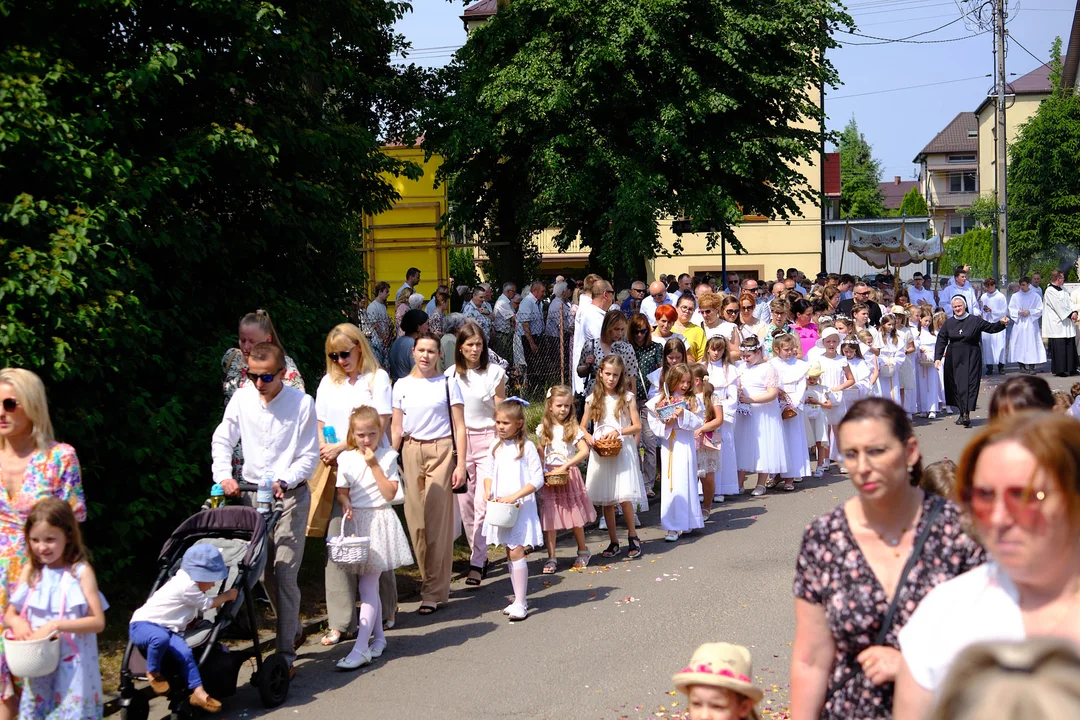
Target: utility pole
column 1001, row 152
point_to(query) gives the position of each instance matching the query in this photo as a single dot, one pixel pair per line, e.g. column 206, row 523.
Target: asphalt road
column 601, row 643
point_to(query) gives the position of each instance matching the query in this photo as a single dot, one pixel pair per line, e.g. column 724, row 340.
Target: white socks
column 519, row 579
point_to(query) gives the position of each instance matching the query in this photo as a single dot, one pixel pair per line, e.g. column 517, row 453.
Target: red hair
column 667, row 312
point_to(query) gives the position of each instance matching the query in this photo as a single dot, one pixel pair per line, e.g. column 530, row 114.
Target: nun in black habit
column 962, row 335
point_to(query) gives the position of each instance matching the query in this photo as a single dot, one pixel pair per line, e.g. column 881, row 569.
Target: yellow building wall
column 407, row 235
column 1015, row 116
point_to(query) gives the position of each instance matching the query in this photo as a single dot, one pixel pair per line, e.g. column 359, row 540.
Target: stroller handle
column 277, row 507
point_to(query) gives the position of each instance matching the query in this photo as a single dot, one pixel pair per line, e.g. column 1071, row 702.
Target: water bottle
column 217, row 496
column 330, row 435
column 264, row 497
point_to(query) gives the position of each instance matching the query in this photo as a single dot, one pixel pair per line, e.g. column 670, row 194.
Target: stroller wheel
column 137, row 708
column 273, row 681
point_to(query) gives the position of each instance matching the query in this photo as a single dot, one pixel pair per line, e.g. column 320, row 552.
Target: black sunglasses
column 10, row 404
column 343, row 354
column 265, row 378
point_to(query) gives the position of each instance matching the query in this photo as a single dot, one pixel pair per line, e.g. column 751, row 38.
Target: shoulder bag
column 464, row 488
column 916, row 550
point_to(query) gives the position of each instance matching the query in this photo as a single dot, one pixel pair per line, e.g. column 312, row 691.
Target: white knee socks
column 519, row 579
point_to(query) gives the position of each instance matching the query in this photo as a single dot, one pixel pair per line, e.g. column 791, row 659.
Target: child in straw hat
column 718, row 684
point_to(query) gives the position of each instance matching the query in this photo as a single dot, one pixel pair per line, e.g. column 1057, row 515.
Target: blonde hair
column 621, row 389
column 1037, row 679
column 261, row 319
column 347, row 333
column 939, row 478
column 30, row 394
column 549, row 421
column 784, row 340
column 362, row 414
column 866, row 336
column 515, row 412
column 939, row 321
column 720, row 343
column 676, row 376
column 925, row 311
column 700, row 372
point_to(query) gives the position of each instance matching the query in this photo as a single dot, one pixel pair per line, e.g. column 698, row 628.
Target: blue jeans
column 154, row 641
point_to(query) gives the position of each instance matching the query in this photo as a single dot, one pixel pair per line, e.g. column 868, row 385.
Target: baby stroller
column 240, row 533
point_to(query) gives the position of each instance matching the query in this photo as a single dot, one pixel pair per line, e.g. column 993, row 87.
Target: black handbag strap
column 450, row 415
column 916, row 550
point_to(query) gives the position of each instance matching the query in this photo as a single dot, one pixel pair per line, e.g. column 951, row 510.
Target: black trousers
column 1063, row 359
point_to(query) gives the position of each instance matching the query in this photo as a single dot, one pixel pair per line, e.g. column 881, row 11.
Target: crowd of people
column 675, row 392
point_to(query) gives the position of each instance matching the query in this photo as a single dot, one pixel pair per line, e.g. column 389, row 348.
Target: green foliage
column 1044, row 181
column 604, row 117
column 165, row 168
column 914, row 204
column 860, row 173
column 974, row 248
column 463, row 267
column 984, row 209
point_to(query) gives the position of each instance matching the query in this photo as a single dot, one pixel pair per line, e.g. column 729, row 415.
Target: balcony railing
column 545, row 242
column 952, row 199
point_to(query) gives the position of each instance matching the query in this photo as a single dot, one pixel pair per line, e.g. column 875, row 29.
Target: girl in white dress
column 680, row 510
column 939, row 322
column 865, row 373
column 724, row 377
column 759, row 436
column 908, row 397
column 707, row 437
column 367, row 482
column 816, row 402
column 869, row 387
column 792, row 373
column 836, row 377
column 927, row 382
column 567, row 506
column 516, row 476
column 891, row 356
column 612, row 481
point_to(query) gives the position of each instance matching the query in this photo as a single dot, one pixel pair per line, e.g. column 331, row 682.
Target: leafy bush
column 973, row 248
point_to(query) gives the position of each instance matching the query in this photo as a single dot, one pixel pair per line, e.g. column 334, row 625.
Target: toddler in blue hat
column 155, row 626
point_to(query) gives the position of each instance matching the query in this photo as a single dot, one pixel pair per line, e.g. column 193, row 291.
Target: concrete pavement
column 602, row 643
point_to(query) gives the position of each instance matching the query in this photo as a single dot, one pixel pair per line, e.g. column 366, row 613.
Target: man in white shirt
column 685, row 282
column 530, row 320
column 960, row 286
column 658, row 295
column 412, row 279
column 593, row 315
column 919, row 294
column 994, row 306
column 278, row 427
column 502, row 322
column 1036, row 283
column 584, row 301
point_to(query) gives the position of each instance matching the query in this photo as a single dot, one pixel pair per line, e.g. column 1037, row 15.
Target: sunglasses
column 637, row 290
column 342, row 355
column 748, row 307
column 641, row 332
column 1023, row 502
column 10, row 404
column 265, row 378
column 731, row 312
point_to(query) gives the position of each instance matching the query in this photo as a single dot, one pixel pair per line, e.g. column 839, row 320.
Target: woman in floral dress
column 255, row 328
column 32, row 466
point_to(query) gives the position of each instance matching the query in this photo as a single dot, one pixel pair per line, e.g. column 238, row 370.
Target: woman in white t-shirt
column 353, row 378
column 429, row 426
column 1020, row 484
column 483, row 386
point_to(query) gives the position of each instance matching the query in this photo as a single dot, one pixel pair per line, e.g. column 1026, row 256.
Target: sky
column 901, row 94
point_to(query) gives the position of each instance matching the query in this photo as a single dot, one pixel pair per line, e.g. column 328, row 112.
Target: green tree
column 914, row 204
column 1044, row 178
column 463, row 267
column 984, row 210
column 165, row 168
column 860, row 173
column 973, row 248
column 604, row 117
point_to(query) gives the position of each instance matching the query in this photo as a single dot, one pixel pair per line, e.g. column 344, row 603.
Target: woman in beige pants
column 428, row 426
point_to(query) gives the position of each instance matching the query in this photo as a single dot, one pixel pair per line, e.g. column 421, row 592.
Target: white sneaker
column 931, row 415
column 717, row 498
column 672, row 536
column 603, row 522
column 518, row 612
column 758, row 491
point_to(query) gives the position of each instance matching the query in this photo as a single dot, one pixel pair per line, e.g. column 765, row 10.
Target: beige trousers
column 429, row 512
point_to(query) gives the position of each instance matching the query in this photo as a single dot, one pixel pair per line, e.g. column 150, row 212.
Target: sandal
column 474, row 581
column 550, row 566
column 634, row 548
column 332, row 637
column 583, row 557
column 789, row 486
column 611, row 551
column 426, row 609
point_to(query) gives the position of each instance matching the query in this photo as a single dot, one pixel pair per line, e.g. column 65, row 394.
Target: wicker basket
column 788, row 412
column 604, row 447
column 554, row 460
column 348, row 551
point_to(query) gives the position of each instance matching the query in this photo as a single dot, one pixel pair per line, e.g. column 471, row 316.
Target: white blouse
column 334, row 402
column 558, row 444
column 422, row 401
column 478, row 391
column 354, row 473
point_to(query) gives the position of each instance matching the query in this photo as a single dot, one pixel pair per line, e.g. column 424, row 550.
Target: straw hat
column 898, row 310
column 815, row 369
column 722, row 665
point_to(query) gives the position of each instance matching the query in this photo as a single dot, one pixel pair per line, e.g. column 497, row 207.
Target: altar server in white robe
column 1025, row 344
column 959, row 286
column 680, row 509
column 994, row 306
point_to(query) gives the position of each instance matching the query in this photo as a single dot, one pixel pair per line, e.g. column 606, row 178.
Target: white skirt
column 526, row 530
column 613, row 480
column 816, row 428
column 836, row 413
column 727, row 479
column 907, row 373
column 759, row 440
column 389, row 546
column 795, row 454
column 707, row 460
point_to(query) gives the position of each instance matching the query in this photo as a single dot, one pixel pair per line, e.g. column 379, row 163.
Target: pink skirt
column 564, row 507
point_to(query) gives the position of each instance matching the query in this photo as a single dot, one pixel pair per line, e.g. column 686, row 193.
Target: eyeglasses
column 10, row 404
column 862, row 293
column 335, row 356
column 265, row 378
column 1023, row 502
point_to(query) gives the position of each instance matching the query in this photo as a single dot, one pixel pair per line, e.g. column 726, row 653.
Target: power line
column 1041, row 63
column 909, row 87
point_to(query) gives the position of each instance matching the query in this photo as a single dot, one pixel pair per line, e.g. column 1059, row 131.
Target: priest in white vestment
column 1025, row 311
column 994, row 306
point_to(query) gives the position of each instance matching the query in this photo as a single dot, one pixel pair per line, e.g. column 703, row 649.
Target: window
column 962, row 158
column 960, row 224
column 962, row 182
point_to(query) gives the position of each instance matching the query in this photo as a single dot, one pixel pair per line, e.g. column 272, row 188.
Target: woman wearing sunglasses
column 1019, row 480
column 32, row 466
column 720, row 316
column 353, row 378
column 749, row 324
column 866, row 565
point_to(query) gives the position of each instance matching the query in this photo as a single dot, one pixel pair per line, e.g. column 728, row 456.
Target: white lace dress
column 759, row 436
column 613, row 480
